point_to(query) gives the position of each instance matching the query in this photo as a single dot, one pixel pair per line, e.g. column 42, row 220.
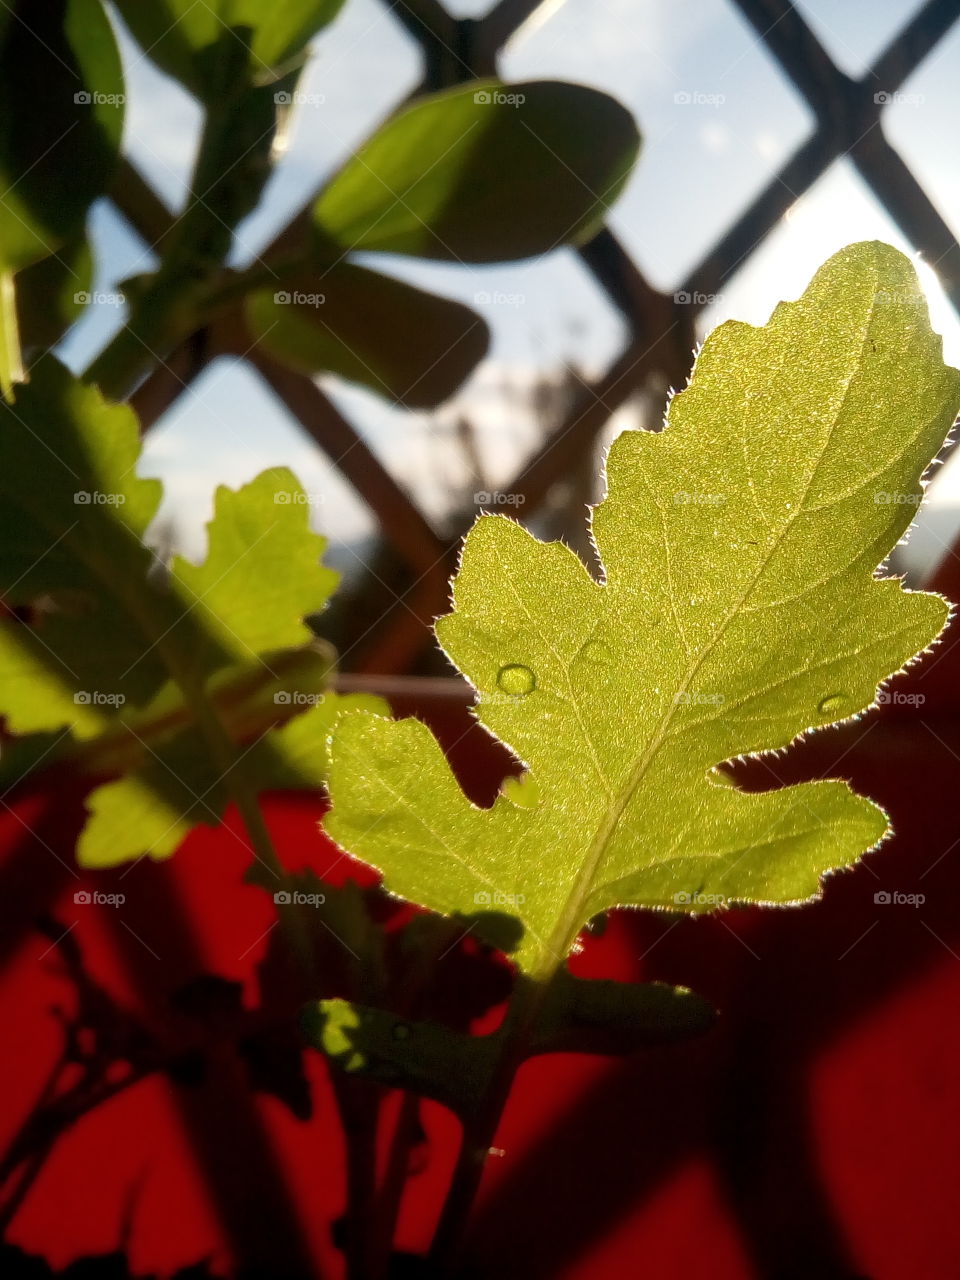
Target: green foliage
column 435, row 182
column 61, row 118
column 60, row 58
column 739, row 609
column 52, row 293
column 179, row 34
column 484, row 172
column 580, row 1016
column 134, row 657
column 740, row 605
column 405, row 344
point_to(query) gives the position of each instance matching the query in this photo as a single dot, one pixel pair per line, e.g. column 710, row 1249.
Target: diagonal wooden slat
column 506, row 18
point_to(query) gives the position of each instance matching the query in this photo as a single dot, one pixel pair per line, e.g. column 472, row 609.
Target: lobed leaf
column 740, row 608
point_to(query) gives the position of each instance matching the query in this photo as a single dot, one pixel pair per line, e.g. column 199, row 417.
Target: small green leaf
column 249, row 699
column 178, row 34
column 410, row 346
column 170, row 782
column 151, row 809
column 72, row 546
column 740, row 608
column 484, row 172
column 261, row 556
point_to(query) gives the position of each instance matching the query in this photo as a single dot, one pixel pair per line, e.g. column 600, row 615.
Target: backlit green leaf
column 484, row 172
column 740, row 608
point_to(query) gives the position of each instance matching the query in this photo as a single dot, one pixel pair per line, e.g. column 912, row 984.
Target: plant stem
column 231, row 168
column 394, row 1182
column 407, row 1129
column 480, row 1130
column 359, row 1106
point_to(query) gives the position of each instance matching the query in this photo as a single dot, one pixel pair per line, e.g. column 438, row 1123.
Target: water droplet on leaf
column 597, row 652
column 830, row 704
column 516, row 679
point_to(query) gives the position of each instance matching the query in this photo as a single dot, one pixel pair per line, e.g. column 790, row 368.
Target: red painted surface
column 812, row 1134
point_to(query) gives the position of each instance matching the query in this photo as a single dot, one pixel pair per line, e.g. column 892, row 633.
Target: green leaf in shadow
column 138, row 660
column 579, row 1016
column 61, row 119
column 407, row 345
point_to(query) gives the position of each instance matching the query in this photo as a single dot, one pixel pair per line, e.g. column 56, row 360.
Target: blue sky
column 703, row 161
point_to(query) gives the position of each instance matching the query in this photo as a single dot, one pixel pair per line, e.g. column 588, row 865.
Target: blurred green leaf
column 484, row 172
column 424, row 1057
column 400, row 342
column 232, row 165
column 61, row 118
column 151, row 809
column 53, row 293
column 178, row 34
column 72, row 519
column 248, row 699
column 163, row 670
